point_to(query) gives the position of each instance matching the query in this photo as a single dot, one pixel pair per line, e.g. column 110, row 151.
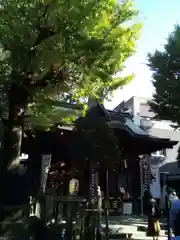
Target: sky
column 158, row 18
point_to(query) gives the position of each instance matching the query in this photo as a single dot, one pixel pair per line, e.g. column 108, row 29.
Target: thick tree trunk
column 12, row 146
column 13, row 190
column 17, row 103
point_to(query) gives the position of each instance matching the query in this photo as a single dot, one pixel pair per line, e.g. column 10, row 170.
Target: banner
column 45, row 165
column 145, row 173
column 93, row 185
column 155, row 186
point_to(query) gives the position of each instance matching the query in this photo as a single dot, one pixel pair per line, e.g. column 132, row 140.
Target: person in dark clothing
column 177, row 225
column 153, row 217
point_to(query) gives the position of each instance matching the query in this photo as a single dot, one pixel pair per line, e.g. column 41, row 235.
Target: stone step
column 143, row 234
column 117, row 231
column 135, row 232
column 18, row 237
column 140, row 238
column 139, row 235
column 120, row 236
column 14, row 229
column 126, row 237
column 148, row 238
column 128, row 229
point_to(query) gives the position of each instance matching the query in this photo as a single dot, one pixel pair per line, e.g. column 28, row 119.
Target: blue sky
column 159, row 18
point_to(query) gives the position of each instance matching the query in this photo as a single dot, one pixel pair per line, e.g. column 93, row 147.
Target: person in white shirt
column 173, row 196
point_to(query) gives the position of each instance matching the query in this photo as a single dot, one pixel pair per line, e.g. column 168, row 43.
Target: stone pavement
column 119, row 227
column 134, row 227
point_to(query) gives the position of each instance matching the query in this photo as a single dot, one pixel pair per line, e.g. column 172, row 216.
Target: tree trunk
column 17, row 103
column 11, row 146
column 13, row 190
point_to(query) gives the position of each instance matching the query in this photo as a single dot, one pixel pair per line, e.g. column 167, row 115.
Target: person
column 176, row 224
column 153, row 217
column 173, row 195
column 126, row 196
column 174, row 209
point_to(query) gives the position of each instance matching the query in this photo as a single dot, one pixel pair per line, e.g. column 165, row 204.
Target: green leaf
column 165, row 67
column 73, row 47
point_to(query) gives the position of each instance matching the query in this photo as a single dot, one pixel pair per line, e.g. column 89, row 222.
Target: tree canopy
column 50, row 46
column 165, row 65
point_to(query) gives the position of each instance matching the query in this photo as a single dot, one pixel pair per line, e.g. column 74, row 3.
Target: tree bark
column 12, row 192
column 13, row 132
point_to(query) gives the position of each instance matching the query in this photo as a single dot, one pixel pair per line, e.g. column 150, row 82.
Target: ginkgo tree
column 52, row 46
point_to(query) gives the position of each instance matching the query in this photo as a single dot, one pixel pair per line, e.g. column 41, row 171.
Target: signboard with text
column 145, row 173
column 93, row 184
